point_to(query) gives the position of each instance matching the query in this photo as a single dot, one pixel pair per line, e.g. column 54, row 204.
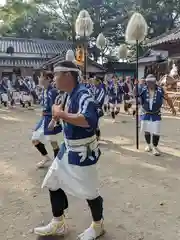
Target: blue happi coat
column 153, row 114
column 91, row 88
column 48, row 99
column 99, row 97
column 3, row 88
column 80, row 101
column 115, row 93
column 120, row 92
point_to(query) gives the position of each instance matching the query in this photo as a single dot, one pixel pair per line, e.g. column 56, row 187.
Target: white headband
column 150, row 79
column 65, row 69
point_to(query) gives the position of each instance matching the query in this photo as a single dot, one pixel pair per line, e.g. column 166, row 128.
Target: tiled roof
column 153, row 56
column 59, row 58
column 55, row 59
column 34, row 46
column 13, row 62
column 118, row 66
column 164, row 38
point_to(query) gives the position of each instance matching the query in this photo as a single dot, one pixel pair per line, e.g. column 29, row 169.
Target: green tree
column 55, row 19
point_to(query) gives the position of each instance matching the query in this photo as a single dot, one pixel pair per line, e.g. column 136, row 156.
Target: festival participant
column 106, row 100
column 141, row 85
column 90, row 85
column 10, row 91
column 25, row 98
column 120, row 93
column 3, row 94
column 151, row 98
column 128, row 94
column 99, row 96
column 115, row 93
column 74, row 169
column 4, row 99
column 6, row 92
column 42, row 132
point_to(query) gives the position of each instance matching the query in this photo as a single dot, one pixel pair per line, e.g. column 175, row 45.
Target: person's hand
column 173, row 111
column 136, row 81
column 52, row 124
column 57, row 112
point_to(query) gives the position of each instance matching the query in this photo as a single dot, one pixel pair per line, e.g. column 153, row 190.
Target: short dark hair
column 47, row 74
column 69, row 64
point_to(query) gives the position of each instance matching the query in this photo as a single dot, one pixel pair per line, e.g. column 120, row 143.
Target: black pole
column 137, row 91
column 102, row 55
column 85, row 58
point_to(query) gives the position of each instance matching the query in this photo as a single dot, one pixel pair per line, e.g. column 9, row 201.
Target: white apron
column 25, row 98
column 150, row 126
column 4, row 97
column 79, row 181
column 106, row 100
column 39, row 135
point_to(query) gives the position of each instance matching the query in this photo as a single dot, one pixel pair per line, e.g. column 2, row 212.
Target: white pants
column 25, row 98
column 114, row 106
column 4, row 97
column 39, row 135
column 106, row 101
column 152, row 127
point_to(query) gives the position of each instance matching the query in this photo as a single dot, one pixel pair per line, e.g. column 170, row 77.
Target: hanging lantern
column 136, row 30
column 122, row 51
column 70, row 55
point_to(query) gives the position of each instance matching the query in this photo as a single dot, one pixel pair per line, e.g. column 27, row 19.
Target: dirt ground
column 141, row 192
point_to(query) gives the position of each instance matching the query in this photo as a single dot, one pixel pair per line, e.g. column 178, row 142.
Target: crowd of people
column 76, row 112
column 21, row 90
column 71, row 110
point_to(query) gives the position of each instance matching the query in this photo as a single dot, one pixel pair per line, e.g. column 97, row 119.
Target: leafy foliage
column 55, row 19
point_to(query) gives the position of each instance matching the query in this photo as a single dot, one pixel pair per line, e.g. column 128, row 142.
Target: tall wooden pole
column 137, row 91
column 85, row 57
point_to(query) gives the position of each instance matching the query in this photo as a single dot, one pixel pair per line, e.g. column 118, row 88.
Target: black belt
column 152, row 113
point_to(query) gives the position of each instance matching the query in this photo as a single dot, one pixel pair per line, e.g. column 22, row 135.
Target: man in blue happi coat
column 115, row 92
column 128, row 94
column 42, row 133
column 74, row 169
column 152, row 97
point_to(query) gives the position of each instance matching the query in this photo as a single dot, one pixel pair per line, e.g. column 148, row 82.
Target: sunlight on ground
column 171, row 117
column 123, row 142
column 8, row 118
column 134, row 161
column 118, row 140
column 170, row 151
column 166, row 150
column 4, row 110
column 152, row 166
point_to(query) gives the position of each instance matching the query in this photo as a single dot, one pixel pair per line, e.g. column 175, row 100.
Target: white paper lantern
column 70, row 55
column 101, row 41
column 84, row 24
column 136, row 30
column 122, row 51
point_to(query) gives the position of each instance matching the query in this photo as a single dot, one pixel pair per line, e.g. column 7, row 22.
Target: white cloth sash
column 80, row 145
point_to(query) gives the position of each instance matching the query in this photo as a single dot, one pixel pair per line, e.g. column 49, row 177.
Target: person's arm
column 100, row 98
column 75, row 119
column 86, row 116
